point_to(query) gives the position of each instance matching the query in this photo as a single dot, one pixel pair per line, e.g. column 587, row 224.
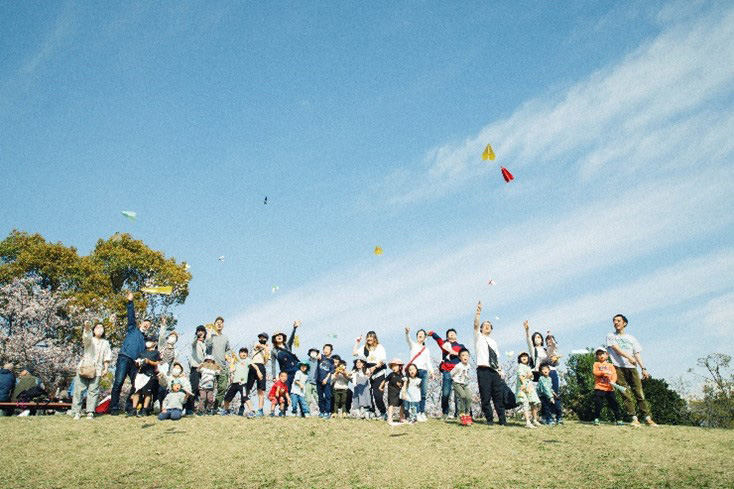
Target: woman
column 376, row 367
column 282, row 353
column 539, row 357
column 93, row 366
column 420, row 356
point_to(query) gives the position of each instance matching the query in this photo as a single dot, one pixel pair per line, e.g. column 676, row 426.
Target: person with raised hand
column 420, row 356
column 489, row 371
column 376, row 368
column 132, row 347
column 218, row 347
column 92, row 367
column 450, row 348
column 282, row 354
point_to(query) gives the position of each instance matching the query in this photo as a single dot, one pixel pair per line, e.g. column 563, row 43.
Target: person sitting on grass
column 460, row 381
column 146, row 380
column 208, row 371
column 525, row 391
column 174, row 402
column 604, row 378
column 547, row 396
column 625, row 352
column 394, row 382
column 278, row 395
column 298, row 392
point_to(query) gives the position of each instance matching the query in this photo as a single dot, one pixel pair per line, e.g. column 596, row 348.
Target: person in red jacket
column 450, row 349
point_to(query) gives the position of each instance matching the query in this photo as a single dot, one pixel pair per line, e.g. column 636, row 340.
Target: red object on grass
column 507, row 175
column 104, row 406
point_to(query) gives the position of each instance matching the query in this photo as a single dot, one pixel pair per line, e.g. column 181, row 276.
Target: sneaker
column 529, row 425
column 281, row 414
column 77, row 417
column 327, row 416
column 560, row 421
column 450, row 416
column 260, row 413
column 635, row 423
column 222, row 412
column 272, row 414
column 649, row 422
column 421, row 418
column 596, row 422
column 251, row 414
column 90, row 415
column 537, row 423
column 25, row 413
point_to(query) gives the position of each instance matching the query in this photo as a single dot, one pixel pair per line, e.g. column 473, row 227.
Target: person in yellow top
column 605, row 376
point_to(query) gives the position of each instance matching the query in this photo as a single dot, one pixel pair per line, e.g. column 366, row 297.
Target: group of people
column 326, row 382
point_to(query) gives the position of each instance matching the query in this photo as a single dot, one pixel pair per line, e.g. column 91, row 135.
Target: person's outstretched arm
column 292, row 337
column 130, row 313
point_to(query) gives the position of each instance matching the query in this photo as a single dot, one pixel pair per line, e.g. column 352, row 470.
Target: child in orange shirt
column 278, row 395
column 604, row 377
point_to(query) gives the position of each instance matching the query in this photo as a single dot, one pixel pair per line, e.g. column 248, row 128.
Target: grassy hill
column 210, row 452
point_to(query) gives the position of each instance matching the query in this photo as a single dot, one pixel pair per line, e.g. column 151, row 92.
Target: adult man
column 624, row 350
column 450, row 349
column 132, row 346
column 489, row 372
column 217, row 345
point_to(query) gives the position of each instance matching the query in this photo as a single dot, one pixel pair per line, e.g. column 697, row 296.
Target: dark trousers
column 194, row 377
column 378, row 395
column 547, row 408
column 599, row 397
column 324, row 392
column 490, row 390
column 125, row 367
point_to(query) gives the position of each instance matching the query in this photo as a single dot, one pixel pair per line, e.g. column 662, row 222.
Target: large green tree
column 96, row 282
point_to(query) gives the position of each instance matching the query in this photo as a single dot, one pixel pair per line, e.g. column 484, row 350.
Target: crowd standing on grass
column 326, row 385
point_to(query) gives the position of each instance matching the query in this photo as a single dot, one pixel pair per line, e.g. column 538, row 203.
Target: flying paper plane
column 130, row 215
column 266, row 200
column 488, row 153
column 221, row 258
column 507, row 175
column 165, row 290
column 492, row 282
column 378, row 250
column 275, row 289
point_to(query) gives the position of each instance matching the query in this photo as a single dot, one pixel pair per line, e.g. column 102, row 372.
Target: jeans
column 446, row 384
column 298, row 400
column 630, row 378
column 92, row 388
column 490, row 390
column 172, row 414
column 125, row 367
column 423, row 375
column 411, row 410
column 324, row 397
column 557, row 389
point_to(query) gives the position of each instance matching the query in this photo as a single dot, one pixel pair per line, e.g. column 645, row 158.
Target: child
column 547, row 396
column 362, row 398
column 525, row 391
column 394, row 383
column 460, row 379
column 145, row 380
column 174, row 402
column 278, row 395
column 323, row 381
column 239, row 370
column 175, row 374
column 298, row 391
column 340, row 381
column 604, row 377
column 208, row 371
column 412, row 396
column 312, row 394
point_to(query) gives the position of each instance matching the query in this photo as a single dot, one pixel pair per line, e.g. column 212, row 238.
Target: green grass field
column 207, row 452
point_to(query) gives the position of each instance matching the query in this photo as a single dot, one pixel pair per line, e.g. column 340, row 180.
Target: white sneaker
column 422, row 418
column 90, row 415
column 450, row 416
column 529, row 425
column 537, row 423
column 77, row 416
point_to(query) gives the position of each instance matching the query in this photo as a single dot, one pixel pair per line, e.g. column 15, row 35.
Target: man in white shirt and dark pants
column 489, row 372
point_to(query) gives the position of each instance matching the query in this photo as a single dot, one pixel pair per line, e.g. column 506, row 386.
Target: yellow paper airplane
column 165, row 290
column 378, row 250
column 488, row 153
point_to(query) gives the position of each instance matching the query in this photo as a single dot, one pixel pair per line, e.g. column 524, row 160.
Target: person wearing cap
column 605, row 375
column 489, row 372
column 218, row 346
column 173, row 404
column 132, row 346
column 394, row 382
column 625, row 352
column 260, row 356
column 198, row 353
column 312, row 394
column 298, row 392
column 281, row 354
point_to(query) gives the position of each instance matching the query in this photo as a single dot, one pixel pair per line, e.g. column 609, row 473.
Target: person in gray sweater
column 218, row 347
column 174, row 402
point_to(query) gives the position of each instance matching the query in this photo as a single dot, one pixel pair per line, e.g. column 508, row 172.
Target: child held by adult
column 376, row 367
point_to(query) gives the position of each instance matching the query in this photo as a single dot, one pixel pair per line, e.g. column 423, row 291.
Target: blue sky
column 363, row 124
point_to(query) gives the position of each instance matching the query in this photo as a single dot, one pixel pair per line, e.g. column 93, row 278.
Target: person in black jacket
column 282, row 354
column 7, row 384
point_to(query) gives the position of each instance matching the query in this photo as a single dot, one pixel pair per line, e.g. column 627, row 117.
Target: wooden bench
column 36, row 405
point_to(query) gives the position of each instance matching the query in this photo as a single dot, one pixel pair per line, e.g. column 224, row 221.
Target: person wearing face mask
column 260, row 356
column 218, row 347
column 167, row 339
column 175, row 374
column 93, row 366
column 198, row 353
column 132, row 347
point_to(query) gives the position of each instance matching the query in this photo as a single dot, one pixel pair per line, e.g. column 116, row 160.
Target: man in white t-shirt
column 624, row 351
column 489, row 372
